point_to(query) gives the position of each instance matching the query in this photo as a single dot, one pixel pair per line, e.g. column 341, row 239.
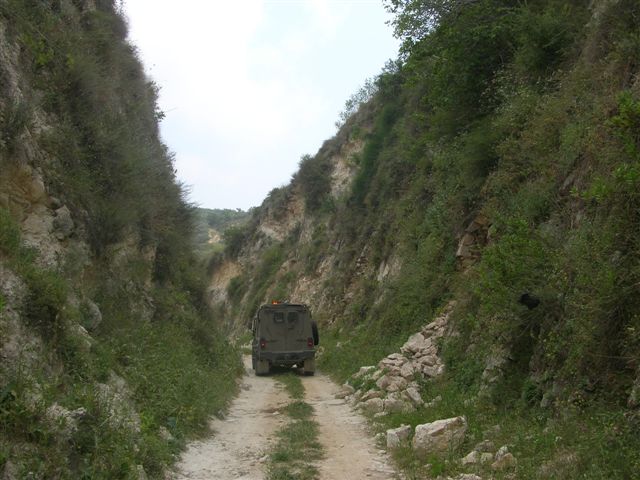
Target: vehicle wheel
column 262, row 367
column 309, row 367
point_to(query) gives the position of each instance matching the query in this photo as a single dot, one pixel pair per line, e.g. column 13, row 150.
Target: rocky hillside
column 491, row 180
column 109, row 357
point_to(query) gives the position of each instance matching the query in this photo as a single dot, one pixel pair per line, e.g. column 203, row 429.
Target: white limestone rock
column 373, row 405
column 413, row 344
column 414, row 396
column 396, row 437
column 440, row 436
column 504, row 459
column 371, row 394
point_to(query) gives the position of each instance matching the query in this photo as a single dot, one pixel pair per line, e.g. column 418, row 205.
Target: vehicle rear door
column 273, row 328
column 297, row 326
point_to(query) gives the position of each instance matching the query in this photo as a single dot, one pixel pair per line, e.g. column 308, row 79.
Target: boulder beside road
column 440, row 436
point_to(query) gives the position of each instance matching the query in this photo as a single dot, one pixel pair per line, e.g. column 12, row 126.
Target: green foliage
column 236, row 289
column 313, row 252
column 414, row 19
column 371, row 153
column 179, row 369
column 271, row 261
column 153, row 359
column 357, row 100
column 535, row 437
column 293, row 385
column 218, row 220
column 9, row 234
column 626, row 123
column 299, row 410
column 15, row 118
column 314, row 177
column 365, row 345
column 234, row 238
column 46, row 299
column 545, row 38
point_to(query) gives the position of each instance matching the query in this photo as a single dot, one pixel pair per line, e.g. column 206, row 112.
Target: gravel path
column 240, row 444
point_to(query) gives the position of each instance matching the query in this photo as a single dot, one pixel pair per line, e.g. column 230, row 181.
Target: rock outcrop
column 475, row 236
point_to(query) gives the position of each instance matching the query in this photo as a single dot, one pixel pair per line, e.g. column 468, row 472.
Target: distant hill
column 211, row 223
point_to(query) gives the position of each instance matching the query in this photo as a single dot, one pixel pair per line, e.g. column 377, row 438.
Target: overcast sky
column 249, row 86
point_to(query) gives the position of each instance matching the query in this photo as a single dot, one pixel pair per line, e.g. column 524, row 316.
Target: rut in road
column 241, row 441
column 350, row 451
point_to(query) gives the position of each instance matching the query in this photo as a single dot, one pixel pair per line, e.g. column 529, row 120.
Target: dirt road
column 350, row 451
column 239, row 447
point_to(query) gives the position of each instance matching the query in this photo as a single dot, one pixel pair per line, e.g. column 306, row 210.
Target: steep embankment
column 492, row 181
column 108, row 357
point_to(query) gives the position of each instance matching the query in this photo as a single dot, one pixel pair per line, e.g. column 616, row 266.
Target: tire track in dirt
column 240, row 442
column 350, row 450
column 242, row 439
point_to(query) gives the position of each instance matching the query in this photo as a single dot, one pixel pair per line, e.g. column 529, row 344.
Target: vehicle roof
column 276, row 305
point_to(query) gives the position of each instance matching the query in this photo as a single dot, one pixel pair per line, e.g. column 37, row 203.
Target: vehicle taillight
column 310, row 342
column 263, row 343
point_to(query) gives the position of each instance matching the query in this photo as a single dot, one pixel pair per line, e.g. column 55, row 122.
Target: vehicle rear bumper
column 286, row 358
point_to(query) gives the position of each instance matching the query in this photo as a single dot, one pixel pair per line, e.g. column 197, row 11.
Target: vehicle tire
column 309, row 367
column 262, row 367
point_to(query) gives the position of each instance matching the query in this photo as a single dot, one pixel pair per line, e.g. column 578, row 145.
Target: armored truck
column 284, row 334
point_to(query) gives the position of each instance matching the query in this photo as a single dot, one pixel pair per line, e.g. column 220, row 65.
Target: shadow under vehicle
column 284, row 334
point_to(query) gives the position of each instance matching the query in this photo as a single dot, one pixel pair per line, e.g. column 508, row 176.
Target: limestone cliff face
column 55, row 230
column 94, row 252
column 309, row 246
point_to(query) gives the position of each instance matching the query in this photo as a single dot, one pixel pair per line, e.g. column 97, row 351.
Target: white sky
column 249, row 86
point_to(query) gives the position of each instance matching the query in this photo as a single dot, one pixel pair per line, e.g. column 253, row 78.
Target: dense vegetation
column 524, row 115
column 210, row 228
column 118, row 333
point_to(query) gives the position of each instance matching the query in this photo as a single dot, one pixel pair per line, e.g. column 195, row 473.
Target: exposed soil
column 239, row 447
column 350, row 450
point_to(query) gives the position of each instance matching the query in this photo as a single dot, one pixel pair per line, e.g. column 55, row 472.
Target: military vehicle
column 284, row 334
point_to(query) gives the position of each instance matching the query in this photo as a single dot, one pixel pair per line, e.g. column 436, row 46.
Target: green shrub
column 270, row 262
column 14, row 120
column 314, row 177
column 234, row 238
column 9, row 234
column 236, row 289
